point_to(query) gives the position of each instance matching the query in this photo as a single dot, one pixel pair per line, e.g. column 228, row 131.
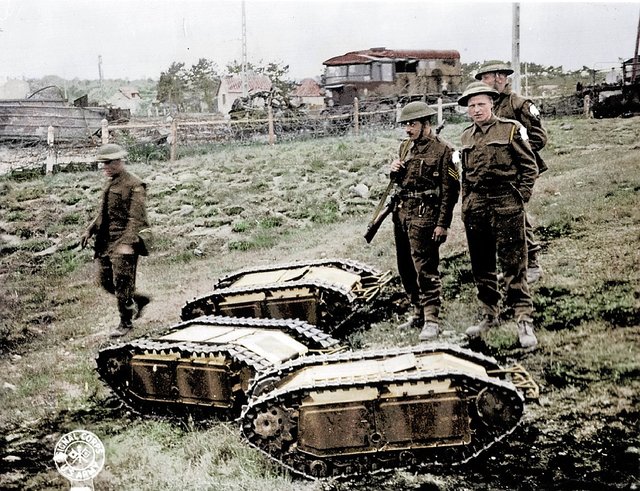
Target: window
column 382, row 72
column 359, row 73
column 335, row 74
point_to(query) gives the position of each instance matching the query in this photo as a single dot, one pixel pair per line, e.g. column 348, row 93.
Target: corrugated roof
column 255, row 83
column 308, row 88
column 369, row 55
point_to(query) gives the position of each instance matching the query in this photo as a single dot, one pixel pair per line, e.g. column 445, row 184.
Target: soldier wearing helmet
column 429, row 187
column 498, row 172
column 511, row 105
column 121, row 219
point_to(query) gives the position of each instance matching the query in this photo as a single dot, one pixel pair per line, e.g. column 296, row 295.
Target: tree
column 172, row 85
column 203, row 82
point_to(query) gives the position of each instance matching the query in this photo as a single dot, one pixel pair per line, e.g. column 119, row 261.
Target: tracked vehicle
column 356, row 413
column 205, row 364
column 326, row 293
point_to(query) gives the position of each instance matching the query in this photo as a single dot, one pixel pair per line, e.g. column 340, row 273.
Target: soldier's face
column 496, row 80
column 479, row 108
column 112, row 168
column 414, row 129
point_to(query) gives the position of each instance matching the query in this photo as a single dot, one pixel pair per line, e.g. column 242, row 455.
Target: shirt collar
column 485, row 127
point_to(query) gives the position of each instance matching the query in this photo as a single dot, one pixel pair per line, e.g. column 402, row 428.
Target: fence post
column 440, row 116
column 173, row 138
column 51, row 153
column 398, row 111
column 356, row 116
column 105, row 131
column 272, row 135
column 587, row 106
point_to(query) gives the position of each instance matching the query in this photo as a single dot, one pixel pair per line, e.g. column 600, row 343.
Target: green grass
column 258, row 204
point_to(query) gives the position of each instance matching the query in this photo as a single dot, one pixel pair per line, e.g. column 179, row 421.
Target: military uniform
column 498, row 173
column 511, row 105
column 429, row 190
column 121, row 218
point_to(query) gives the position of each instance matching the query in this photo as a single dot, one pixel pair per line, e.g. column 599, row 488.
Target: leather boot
column 416, row 319
column 141, row 302
column 123, row 329
column 487, row 322
column 430, row 330
column 526, row 336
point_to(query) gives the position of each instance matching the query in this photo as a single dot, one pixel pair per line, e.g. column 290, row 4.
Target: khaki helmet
column 475, row 88
column 493, row 66
column 110, row 151
column 415, row 110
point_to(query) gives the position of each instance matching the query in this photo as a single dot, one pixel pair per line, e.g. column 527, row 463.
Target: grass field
column 242, row 206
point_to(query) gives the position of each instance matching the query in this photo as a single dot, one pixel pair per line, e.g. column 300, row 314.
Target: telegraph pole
column 634, row 65
column 245, row 85
column 515, row 48
column 100, row 76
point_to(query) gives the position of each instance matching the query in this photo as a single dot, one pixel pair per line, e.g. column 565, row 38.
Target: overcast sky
column 141, row 38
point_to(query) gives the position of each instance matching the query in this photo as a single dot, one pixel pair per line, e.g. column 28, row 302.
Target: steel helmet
column 475, row 88
column 415, row 110
column 493, row 66
column 110, row 151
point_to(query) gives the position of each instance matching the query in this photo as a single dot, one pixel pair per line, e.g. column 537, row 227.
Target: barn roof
column 255, row 82
column 369, row 55
column 308, row 88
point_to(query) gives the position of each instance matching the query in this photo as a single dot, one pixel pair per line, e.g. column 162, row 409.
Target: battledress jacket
column 122, row 215
column 511, row 105
column 497, row 156
column 429, row 166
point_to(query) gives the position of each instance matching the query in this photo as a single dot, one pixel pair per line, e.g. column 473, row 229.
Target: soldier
column 511, row 105
column 429, row 189
column 118, row 226
column 498, row 173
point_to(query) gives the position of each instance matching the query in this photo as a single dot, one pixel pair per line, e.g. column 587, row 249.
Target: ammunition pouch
column 421, row 195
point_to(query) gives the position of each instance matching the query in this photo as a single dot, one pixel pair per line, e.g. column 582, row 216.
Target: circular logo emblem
column 79, row 455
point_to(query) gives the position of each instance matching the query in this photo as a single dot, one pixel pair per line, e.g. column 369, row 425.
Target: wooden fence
column 355, row 119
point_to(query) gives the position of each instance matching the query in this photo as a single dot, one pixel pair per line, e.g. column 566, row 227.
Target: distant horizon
column 138, row 39
column 25, row 79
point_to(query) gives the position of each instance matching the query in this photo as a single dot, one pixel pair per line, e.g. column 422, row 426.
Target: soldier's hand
column 124, row 249
column 397, row 165
column 439, row 235
column 84, row 240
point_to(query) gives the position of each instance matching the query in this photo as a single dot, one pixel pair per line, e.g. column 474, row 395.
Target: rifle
column 384, row 208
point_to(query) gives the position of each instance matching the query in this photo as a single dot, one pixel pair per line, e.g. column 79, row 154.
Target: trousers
column 495, row 228
column 117, row 275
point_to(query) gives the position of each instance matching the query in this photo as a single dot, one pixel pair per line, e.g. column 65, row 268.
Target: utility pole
column 634, row 64
column 515, row 48
column 245, row 85
column 100, row 76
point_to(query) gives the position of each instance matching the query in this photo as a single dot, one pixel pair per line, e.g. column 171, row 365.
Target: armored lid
column 110, row 151
column 492, row 66
column 475, row 88
column 415, row 110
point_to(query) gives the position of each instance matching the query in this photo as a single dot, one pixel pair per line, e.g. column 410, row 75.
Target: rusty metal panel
column 334, row 429
column 198, row 333
column 153, row 376
column 439, row 420
column 241, row 305
column 205, row 382
column 270, row 277
column 333, row 275
column 445, row 361
column 274, row 346
column 303, row 308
